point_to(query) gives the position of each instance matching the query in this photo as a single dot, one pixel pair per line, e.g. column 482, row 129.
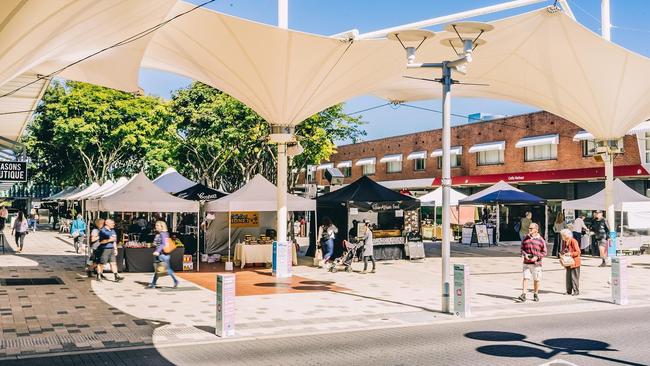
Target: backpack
column 518, row 226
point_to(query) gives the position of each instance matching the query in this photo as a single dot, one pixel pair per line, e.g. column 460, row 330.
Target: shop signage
column 282, row 259
column 385, row 206
column 482, row 236
column 225, row 326
column 15, row 171
column 619, row 281
column 461, row 290
column 354, row 211
column 244, row 219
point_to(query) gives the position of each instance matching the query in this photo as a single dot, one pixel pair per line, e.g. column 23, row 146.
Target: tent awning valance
column 456, row 150
column 417, row 155
column 583, row 135
column 622, row 193
column 488, row 146
column 538, row 140
column 366, row 161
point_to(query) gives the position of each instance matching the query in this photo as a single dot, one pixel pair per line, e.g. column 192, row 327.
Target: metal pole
column 609, row 191
column 498, row 229
column 282, row 193
column 283, row 14
column 606, row 25
column 229, row 235
column 446, row 185
column 198, row 236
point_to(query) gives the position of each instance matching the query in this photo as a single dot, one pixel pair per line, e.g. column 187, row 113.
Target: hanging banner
column 14, row 171
column 244, row 219
column 225, row 326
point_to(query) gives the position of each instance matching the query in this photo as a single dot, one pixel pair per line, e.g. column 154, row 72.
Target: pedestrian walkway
column 83, row 314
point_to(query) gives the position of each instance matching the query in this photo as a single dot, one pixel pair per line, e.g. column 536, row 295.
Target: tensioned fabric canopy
column 258, row 195
column 172, row 181
column 622, row 193
column 141, row 195
column 502, row 193
column 542, row 58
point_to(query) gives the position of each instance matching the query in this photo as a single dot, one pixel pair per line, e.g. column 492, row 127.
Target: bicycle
column 78, row 242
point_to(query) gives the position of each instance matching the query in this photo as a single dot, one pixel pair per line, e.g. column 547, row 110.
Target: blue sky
column 630, row 30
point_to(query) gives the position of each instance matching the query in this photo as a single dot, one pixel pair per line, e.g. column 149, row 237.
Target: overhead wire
column 123, row 42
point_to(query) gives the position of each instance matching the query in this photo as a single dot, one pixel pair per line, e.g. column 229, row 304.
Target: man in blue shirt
column 107, row 251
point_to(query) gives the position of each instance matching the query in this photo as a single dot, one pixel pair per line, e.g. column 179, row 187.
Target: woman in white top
column 368, row 250
column 327, row 234
column 19, row 230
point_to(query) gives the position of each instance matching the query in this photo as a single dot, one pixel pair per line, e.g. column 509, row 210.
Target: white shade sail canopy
column 622, row 193
column 79, row 195
column 172, row 181
column 434, row 198
column 538, row 140
column 542, row 58
column 141, row 194
column 488, row 146
column 258, row 195
column 455, row 150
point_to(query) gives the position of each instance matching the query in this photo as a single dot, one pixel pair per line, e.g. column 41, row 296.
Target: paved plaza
column 81, row 314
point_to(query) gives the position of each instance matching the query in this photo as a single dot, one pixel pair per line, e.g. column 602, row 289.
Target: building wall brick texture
column 509, row 129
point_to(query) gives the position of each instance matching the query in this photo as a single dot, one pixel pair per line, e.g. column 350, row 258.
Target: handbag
column 160, row 268
column 170, row 246
column 566, row 260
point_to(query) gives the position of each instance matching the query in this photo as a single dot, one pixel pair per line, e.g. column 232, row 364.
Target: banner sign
column 461, row 290
column 225, row 326
column 282, row 259
column 15, row 171
column 385, row 206
column 245, row 219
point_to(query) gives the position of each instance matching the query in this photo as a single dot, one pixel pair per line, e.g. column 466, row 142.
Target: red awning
column 549, row 175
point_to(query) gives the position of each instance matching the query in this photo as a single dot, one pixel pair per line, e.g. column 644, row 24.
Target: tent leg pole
column 497, row 239
column 229, row 242
column 198, row 238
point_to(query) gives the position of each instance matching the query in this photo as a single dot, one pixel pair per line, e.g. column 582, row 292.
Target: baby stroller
column 345, row 260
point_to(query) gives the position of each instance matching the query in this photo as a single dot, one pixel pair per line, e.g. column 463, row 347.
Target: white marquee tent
column 172, row 181
column 434, row 198
column 79, row 195
column 622, row 193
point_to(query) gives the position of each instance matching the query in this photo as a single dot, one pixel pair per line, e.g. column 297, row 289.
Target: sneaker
column 522, row 298
column 603, row 264
column 99, row 277
column 118, row 278
column 535, row 297
column 575, row 294
column 175, row 285
column 373, row 271
column 363, row 272
column 150, row 287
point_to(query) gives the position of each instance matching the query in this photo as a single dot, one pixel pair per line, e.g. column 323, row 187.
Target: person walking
column 557, row 228
column 78, row 232
column 368, row 250
column 327, row 234
column 525, row 224
column 94, row 254
column 162, row 236
column 600, row 232
column 108, row 250
column 4, row 215
column 570, row 248
column 579, row 227
column 533, row 249
column 19, row 230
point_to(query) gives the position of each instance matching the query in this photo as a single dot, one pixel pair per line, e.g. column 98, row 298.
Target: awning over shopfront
column 420, row 183
column 538, row 140
column 325, row 166
column 455, row 150
column 417, row 155
column 636, row 171
column 583, row 135
column 345, row 164
column 488, row 146
column 622, row 193
column 366, row 161
column 391, row 158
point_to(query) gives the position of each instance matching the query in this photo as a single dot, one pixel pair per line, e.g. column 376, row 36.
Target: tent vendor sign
column 13, row 171
column 245, row 219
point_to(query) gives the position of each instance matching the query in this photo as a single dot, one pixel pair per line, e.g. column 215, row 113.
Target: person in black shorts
column 107, row 250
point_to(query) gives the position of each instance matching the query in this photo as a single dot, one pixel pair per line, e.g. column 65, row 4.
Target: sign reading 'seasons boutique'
column 14, row 171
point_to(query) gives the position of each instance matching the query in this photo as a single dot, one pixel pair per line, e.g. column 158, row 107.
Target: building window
column 394, row 166
column 419, row 164
column 588, row 147
column 455, row 161
column 311, row 175
column 492, row 157
column 346, row 171
column 541, row 152
column 369, row 169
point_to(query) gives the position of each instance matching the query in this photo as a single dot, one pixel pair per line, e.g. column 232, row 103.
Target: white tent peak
column 622, row 193
column 172, row 181
column 434, row 198
column 81, row 194
column 499, row 186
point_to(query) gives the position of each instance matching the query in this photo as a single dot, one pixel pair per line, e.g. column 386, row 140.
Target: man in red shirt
column 533, row 249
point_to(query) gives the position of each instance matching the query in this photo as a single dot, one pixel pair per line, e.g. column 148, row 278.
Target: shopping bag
column 585, row 242
column 566, row 260
column 160, row 268
column 318, row 257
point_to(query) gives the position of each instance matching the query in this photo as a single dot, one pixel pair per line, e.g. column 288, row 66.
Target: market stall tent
column 459, row 215
column 200, row 192
column 62, row 193
column 622, row 193
column 172, row 181
column 77, row 196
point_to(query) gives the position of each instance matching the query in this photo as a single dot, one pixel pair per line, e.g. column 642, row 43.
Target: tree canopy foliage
column 84, row 133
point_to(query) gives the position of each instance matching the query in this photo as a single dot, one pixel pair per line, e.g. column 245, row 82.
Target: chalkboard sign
column 482, row 236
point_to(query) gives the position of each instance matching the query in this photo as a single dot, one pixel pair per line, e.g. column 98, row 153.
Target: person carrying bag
column 570, row 260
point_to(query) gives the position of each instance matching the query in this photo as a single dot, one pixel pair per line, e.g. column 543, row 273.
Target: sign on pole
column 619, row 281
column 611, row 249
column 13, row 171
column 225, row 326
column 461, row 290
column 282, row 259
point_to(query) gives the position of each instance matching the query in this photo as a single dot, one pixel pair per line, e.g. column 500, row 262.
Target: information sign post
column 461, row 290
column 225, row 326
column 619, row 281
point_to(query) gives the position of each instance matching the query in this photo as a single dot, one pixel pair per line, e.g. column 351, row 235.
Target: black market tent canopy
column 502, row 193
column 200, row 192
column 366, row 194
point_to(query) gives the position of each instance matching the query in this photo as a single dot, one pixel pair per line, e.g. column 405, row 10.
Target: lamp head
column 411, row 40
column 468, row 36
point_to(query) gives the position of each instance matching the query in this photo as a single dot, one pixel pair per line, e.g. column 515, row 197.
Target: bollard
column 461, row 291
column 225, row 326
column 619, row 281
column 282, row 259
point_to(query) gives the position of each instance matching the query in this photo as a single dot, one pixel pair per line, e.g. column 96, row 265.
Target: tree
column 223, row 143
column 84, row 133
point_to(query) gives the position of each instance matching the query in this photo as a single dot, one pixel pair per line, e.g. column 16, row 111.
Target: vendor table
column 141, row 259
column 388, row 248
column 259, row 253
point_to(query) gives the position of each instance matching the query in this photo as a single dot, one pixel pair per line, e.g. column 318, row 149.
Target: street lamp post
column 411, row 40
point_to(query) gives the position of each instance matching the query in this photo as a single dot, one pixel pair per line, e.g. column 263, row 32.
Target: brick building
column 539, row 152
